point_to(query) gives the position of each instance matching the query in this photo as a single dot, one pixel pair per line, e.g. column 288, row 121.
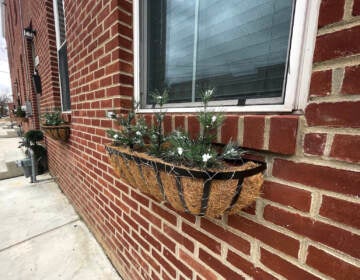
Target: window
column 249, row 51
column 62, row 54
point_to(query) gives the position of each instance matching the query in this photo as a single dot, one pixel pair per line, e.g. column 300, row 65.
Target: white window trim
column 298, row 72
column 58, row 45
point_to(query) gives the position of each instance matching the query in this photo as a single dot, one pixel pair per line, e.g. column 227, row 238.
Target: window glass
column 62, row 54
column 61, row 20
column 238, row 47
column 171, row 46
column 64, row 78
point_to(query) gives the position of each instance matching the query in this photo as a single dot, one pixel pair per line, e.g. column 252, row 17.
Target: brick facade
column 305, row 225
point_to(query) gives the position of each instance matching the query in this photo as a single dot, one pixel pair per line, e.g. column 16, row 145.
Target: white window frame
column 58, row 45
column 298, row 71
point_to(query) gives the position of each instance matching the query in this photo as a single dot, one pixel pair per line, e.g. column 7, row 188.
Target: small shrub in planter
column 20, row 114
column 193, row 175
column 30, row 142
column 55, row 127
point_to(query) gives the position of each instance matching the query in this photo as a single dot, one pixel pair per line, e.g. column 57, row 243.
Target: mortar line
column 37, row 235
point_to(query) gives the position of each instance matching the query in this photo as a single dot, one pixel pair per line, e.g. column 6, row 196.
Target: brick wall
column 307, row 223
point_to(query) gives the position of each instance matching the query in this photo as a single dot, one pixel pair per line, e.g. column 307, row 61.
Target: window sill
column 280, row 108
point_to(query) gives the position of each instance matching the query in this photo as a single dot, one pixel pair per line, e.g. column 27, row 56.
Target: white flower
column 206, row 157
column 138, row 133
column 232, row 151
column 213, row 119
column 180, row 150
column 116, row 136
column 209, row 93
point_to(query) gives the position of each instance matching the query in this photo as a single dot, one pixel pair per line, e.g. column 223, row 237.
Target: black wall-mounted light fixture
column 29, row 32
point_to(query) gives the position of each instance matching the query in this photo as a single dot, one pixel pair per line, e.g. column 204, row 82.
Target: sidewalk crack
column 37, row 235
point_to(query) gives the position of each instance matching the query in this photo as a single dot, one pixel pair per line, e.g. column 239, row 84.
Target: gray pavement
column 9, row 154
column 42, row 237
column 9, row 151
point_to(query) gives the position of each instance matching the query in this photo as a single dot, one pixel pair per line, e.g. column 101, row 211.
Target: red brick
column 332, row 236
column 247, row 267
column 229, row 237
column 154, row 265
column 283, row 131
column 179, row 238
column 143, row 244
column 154, row 276
column 270, row 237
column 199, row 268
column 202, row 238
column 286, row 195
column 130, row 241
column 193, row 127
column 133, row 204
column 148, row 119
column 254, row 132
column 218, row 266
column 314, row 143
column 356, row 8
column 331, row 11
column 332, row 266
column 140, row 198
column 177, row 263
column 283, row 267
column 322, row 177
column 339, row 114
column 125, row 5
column 116, row 209
column 341, row 211
column 251, row 209
column 134, row 225
column 164, row 214
column 165, row 276
column 337, row 44
column 346, row 147
column 321, row 83
column 164, row 264
column 351, row 82
column 140, row 220
column 167, row 125
column 163, row 239
column 180, row 123
column 229, row 129
column 153, row 242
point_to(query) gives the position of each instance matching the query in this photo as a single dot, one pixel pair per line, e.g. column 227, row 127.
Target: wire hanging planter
column 192, row 174
column 211, row 193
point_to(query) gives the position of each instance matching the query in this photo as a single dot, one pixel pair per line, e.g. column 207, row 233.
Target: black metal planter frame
column 206, row 176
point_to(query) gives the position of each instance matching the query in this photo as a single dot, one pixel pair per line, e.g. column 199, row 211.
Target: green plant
column 30, row 142
column 199, row 152
column 20, row 113
column 178, row 147
column 157, row 137
column 53, row 118
column 132, row 131
column 33, row 136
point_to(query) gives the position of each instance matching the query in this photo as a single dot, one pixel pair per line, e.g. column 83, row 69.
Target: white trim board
column 298, row 73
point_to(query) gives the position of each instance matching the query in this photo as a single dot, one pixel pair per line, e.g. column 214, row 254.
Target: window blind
column 238, row 47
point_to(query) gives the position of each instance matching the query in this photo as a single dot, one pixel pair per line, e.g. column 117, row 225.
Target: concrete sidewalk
column 9, row 151
column 41, row 236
